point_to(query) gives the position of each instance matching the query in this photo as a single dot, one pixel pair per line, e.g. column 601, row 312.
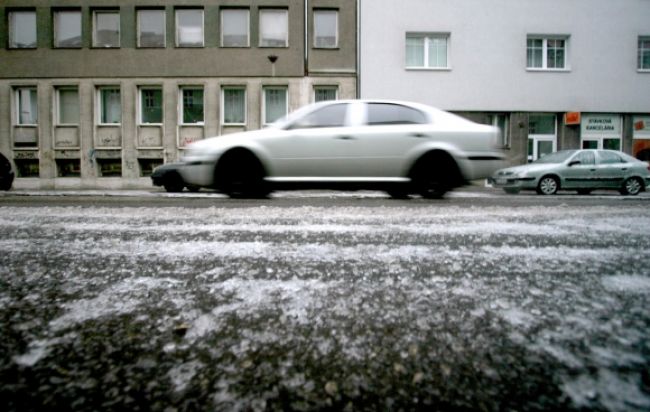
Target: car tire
column 241, row 175
column 584, row 192
column 632, row 186
column 434, row 175
column 173, row 183
column 511, row 190
column 548, row 185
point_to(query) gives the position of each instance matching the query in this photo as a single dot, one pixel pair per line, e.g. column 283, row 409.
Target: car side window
column 393, row 114
column 609, row 158
column 328, row 116
column 586, row 158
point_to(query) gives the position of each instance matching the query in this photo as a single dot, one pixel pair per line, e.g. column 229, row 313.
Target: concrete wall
column 488, row 54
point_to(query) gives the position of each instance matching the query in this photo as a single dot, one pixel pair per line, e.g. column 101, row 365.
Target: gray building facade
column 96, row 94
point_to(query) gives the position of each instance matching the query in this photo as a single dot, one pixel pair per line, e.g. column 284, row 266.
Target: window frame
column 265, row 89
column 223, row 105
column 318, row 87
column 100, row 104
column 55, row 28
column 141, row 90
column 248, row 26
column 18, row 101
column 336, row 29
column 11, row 33
column 181, row 105
column 57, row 105
column 178, row 27
column 260, row 32
column 545, row 38
column 427, row 37
column 139, row 28
column 95, row 36
column 640, row 53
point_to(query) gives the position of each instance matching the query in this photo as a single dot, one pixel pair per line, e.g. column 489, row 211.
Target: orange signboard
column 572, row 118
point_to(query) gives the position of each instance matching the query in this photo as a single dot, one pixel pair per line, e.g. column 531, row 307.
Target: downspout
column 306, row 37
column 358, row 49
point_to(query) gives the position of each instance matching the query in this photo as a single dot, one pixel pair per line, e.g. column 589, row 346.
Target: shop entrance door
column 542, row 135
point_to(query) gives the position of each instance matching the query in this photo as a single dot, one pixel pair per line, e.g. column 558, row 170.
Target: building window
column 106, row 28
column 189, row 28
column 427, row 51
column 27, row 106
column 325, row 93
column 148, row 165
column 110, row 105
column 192, row 105
column 67, row 28
column 644, row 53
column 234, row 106
column 22, row 29
column 151, row 101
column 151, row 28
column 542, row 135
column 326, row 29
column 235, row 28
column 501, row 121
column 67, row 106
column 547, row 53
column 275, row 104
column 274, row 28
column 110, row 167
column 68, row 167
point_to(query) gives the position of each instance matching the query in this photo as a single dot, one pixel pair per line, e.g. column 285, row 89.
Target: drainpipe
column 358, row 49
column 306, row 37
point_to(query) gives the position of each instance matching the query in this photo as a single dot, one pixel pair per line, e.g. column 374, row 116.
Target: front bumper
column 513, row 182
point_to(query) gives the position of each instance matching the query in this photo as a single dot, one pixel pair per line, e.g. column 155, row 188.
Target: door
column 542, row 135
column 611, row 169
column 580, row 175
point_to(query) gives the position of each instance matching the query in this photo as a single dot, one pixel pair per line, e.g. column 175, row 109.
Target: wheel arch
column 237, row 154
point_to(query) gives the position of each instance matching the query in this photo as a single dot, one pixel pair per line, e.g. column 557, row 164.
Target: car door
column 316, row 145
column 611, row 169
column 580, row 171
column 388, row 133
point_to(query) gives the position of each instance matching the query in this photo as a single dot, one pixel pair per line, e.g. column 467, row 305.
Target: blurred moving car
column 580, row 170
column 168, row 176
column 402, row 148
column 6, row 173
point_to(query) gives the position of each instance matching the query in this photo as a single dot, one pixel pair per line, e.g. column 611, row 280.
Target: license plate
column 502, row 181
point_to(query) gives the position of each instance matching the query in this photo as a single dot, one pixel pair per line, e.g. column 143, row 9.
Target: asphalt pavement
column 142, row 300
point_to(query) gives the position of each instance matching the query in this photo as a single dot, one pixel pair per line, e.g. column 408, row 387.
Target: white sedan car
column 402, row 148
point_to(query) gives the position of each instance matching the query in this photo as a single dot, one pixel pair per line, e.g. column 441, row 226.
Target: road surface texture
column 353, row 303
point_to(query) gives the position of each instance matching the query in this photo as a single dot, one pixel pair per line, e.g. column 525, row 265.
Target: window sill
column 539, row 70
column 643, row 70
column 333, row 48
column 104, row 47
column 109, row 124
column 429, row 69
column 233, row 124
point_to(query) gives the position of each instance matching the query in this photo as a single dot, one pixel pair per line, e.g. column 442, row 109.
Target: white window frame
column 100, row 104
column 428, row 37
column 181, row 105
column 141, row 90
column 96, row 14
column 223, row 105
column 336, row 28
column 268, row 88
column 178, row 27
column 164, row 27
column 325, row 87
column 12, row 28
column 274, row 10
column 248, row 26
column 57, row 14
column 545, row 39
column 18, row 102
column 57, row 105
column 640, row 52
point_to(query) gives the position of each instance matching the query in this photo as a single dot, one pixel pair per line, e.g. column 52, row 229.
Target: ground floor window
column 192, row 105
column 325, row 93
column 27, row 167
column 109, row 167
column 275, row 104
column 151, row 105
column 68, row 167
column 601, row 131
column 147, row 166
column 233, row 105
column 502, row 122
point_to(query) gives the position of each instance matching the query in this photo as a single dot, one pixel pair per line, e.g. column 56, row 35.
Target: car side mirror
column 574, row 162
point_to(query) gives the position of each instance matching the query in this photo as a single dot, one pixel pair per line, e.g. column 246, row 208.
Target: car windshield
column 557, row 157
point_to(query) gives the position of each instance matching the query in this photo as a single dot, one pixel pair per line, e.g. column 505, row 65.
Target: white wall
column 488, row 54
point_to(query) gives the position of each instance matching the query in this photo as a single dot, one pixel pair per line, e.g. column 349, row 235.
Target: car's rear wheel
column 173, row 183
column 434, row 175
column 548, row 185
column 584, row 191
column 240, row 174
column 632, row 186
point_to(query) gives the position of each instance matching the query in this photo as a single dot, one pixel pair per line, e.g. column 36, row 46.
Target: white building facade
column 553, row 74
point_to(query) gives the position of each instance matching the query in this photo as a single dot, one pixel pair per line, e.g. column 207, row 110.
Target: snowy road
column 348, row 307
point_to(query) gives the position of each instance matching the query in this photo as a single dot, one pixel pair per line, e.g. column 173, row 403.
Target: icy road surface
column 309, row 308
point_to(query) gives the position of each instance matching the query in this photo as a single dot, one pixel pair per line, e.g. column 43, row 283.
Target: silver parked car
column 580, row 170
column 402, row 148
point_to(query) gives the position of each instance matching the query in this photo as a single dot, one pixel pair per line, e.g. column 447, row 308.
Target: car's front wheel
column 241, row 175
column 173, row 183
column 631, row 186
column 434, row 175
column 548, row 185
